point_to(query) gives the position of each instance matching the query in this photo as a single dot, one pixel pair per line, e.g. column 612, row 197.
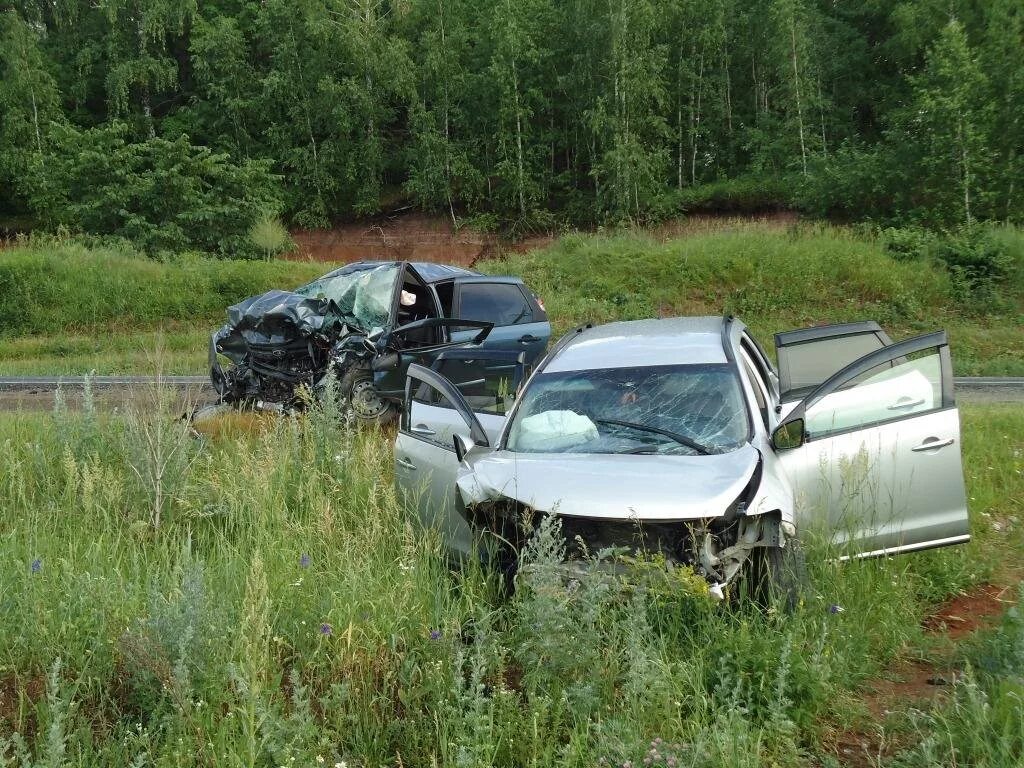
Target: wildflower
column 304, row 560
column 325, row 629
column 435, row 634
column 37, row 565
column 320, row 759
column 835, row 608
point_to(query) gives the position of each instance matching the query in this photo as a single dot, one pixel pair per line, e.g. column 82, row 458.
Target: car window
column 498, row 303
column 759, row 387
column 888, row 392
column 577, row 411
column 809, row 363
column 488, row 386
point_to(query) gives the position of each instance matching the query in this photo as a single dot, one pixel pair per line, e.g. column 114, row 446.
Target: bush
column 162, row 195
column 750, row 194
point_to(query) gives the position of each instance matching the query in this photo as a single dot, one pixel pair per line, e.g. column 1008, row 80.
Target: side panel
column 876, row 489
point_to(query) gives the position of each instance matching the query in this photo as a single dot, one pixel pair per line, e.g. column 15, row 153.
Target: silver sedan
column 679, row 436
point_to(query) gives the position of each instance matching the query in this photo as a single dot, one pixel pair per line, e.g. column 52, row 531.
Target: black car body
column 366, row 322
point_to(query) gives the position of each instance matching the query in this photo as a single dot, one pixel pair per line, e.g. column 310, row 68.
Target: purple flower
column 325, row 629
column 37, row 565
column 304, row 560
column 435, row 634
column 835, row 608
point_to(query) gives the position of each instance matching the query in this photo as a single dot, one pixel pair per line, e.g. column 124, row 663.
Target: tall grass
column 63, row 287
column 287, row 610
column 70, row 309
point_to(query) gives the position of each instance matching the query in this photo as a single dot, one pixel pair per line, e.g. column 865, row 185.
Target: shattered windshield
column 669, row 409
column 363, row 292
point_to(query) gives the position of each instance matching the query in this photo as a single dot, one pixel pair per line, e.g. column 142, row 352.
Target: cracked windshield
column 678, row 409
column 364, row 293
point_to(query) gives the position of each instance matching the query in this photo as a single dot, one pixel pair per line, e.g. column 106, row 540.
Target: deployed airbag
column 555, row 431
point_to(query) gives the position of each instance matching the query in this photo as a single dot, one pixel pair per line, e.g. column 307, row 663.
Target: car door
column 436, row 410
column 873, row 453
column 520, row 323
column 808, row 356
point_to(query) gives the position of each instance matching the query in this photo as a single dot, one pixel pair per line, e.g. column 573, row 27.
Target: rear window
column 498, row 303
column 804, row 366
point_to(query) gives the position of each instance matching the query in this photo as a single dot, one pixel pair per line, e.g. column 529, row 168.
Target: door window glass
column 487, row 385
column 498, row 303
column 890, row 391
column 759, row 388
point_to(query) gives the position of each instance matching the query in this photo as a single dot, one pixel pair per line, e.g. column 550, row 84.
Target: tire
column 358, row 393
column 778, row 575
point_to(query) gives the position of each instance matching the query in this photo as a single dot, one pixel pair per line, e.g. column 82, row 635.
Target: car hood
column 613, row 486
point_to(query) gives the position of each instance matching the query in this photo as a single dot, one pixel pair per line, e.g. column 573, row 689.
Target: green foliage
column 537, row 112
column 289, row 606
column 54, row 287
column 164, row 196
column 270, row 236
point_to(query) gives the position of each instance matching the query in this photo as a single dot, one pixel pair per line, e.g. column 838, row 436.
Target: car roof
column 428, row 270
column 433, row 273
column 636, row 343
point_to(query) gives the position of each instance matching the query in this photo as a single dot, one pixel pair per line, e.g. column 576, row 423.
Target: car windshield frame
column 509, row 437
column 356, row 288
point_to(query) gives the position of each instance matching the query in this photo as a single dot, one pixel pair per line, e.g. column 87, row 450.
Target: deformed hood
column 613, row 486
column 281, row 315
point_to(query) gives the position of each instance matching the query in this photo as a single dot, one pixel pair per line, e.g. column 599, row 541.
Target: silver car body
column 875, row 463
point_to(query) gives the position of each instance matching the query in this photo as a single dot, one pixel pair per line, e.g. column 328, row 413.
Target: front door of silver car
column 458, row 405
column 873, row 453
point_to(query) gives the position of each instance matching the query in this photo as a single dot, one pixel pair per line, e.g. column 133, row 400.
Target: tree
column 29, row 105
column 944, row 133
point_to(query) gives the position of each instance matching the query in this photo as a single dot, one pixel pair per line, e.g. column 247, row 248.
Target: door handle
column 528, row 338
column 422, row 429
column 905, row 402
column 404, row 463
column 932, row 444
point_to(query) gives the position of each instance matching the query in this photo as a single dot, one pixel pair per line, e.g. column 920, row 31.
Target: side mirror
column 463, row 445
column 788, row 435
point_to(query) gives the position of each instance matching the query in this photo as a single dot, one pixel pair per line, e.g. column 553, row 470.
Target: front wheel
column 361, row 396
column 778, row 574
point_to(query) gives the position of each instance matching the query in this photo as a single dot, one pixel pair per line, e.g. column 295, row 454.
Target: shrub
column 163, row 195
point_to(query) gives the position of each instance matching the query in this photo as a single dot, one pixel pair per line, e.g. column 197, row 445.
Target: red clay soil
column 964, row 614
column 918, row 683
column 406, row 237
column 422, row 237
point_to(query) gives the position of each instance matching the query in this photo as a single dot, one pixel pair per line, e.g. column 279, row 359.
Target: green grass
column 68, row 309
column 210, row 641
column 773, row 281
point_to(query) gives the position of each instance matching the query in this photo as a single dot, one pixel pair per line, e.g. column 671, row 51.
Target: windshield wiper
column 681, row 439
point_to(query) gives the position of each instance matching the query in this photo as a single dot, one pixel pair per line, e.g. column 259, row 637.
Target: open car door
column 461, row 401
column 873, row 453
column 808, row 356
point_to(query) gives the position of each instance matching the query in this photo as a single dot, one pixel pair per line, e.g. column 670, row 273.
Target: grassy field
column 286, row 611
column 68, row 309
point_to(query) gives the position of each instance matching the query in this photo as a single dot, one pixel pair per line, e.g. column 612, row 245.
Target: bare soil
column 417, row 236
column 916, row 683
column 405, row 237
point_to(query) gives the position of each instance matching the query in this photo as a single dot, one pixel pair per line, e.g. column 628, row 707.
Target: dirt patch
column 965, row 614
column 405, row 237
column 12, row 691
column 917, row 683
